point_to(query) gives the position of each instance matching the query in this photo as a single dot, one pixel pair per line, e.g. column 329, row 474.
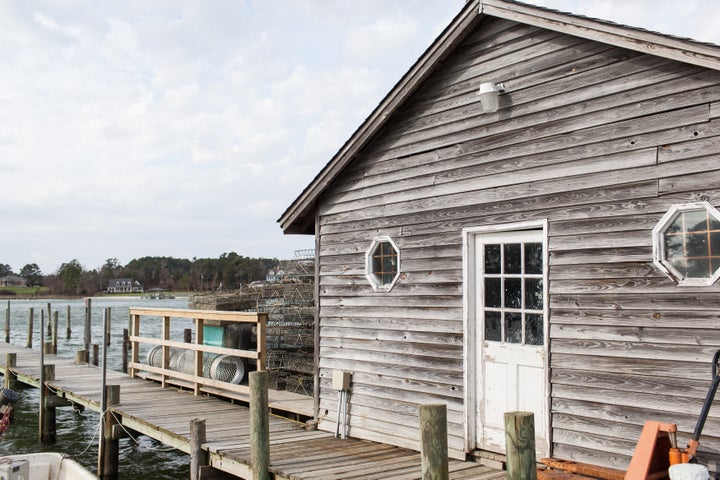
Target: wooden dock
column 295, row 452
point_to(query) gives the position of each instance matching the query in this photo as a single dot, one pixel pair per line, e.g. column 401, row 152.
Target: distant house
column 124, row 285
column 13, row 281
column 529, row 220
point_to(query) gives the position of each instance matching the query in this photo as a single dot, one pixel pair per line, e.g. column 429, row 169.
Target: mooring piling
column 31, row 316
column 520, row 445
column 433, row 437
column 198, row 456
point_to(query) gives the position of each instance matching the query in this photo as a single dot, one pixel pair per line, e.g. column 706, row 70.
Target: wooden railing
column 196, row 380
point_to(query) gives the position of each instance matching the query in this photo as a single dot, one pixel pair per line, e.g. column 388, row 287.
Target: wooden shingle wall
column 600, row 141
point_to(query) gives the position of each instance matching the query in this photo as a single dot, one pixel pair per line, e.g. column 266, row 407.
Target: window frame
column 370, row 274
column 659, row 257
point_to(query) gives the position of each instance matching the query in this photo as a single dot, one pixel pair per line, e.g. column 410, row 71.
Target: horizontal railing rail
column 194, row 380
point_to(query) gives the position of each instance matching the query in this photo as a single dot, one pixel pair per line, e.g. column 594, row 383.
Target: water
column 77, row 431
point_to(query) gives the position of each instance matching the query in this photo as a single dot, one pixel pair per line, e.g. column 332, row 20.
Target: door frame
column 472, row 348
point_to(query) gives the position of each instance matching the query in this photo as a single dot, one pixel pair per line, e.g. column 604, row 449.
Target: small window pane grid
column 692, row 243
column 384, row 263
column 513, row 293
column 686, row 244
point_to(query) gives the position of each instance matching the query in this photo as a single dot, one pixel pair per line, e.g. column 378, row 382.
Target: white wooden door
column 511, row 354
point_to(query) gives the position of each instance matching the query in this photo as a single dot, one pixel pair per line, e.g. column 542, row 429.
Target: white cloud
column 188, row 127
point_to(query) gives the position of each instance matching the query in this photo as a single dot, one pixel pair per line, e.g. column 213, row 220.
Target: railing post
column 198, row 457
column 262, row 341
column 199, row 339
column 520, row 445
column 134, row 332
column 434, row 449
column 259, row 426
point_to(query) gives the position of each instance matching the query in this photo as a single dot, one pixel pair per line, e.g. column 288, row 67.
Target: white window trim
column 659, row 258
column 369, row 274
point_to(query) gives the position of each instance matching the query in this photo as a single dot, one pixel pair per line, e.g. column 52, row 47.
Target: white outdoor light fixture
column 489, row 93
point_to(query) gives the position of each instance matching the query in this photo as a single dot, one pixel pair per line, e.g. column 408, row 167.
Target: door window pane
column 513, row 327
column 533, row 259
column 513, row 293
column 534, row 329
column 492, row 258
column 493, row 330
column 533, row 294
column 512, row 259
column 492, row 293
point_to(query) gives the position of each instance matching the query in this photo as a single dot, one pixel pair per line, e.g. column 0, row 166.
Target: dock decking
column 295, row 453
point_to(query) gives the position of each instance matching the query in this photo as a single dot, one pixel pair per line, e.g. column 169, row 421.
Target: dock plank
column 295, row 453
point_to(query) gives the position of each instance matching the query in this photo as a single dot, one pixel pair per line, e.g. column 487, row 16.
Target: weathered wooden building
column 556, row 252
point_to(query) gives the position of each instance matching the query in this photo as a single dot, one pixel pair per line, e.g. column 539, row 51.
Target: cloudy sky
column 185, row 128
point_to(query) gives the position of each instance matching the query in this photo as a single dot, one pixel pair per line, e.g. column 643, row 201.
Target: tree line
column 229, row 271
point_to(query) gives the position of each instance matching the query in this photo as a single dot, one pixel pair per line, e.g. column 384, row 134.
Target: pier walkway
column 295, row 453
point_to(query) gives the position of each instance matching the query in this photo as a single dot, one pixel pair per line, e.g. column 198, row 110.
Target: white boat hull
column 42, row 466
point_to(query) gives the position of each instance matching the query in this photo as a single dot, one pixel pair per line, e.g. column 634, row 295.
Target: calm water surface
column 77, row 432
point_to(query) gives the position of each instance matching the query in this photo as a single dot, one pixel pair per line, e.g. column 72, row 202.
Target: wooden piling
column 68, row 331
column 30, row 328
column 55, row 332
column 47, row 412
column 95, row 354
column 259, row 426
column 187, row 335
column 520, row 445
column 10, row 378
column 108, row 318
column 125, row 349
column 109, row 451
column 88, row 324
column 47, row 347
column 433, row 448
column 198, row 457
column 49, row 316
column 81, row 356
column 7, row 323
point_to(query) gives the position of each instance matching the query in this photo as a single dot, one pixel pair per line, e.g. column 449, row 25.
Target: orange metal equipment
column 656, row 448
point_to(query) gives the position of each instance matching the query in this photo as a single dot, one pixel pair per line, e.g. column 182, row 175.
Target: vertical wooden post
column 109, row 451
column 10, row 378
column 68, row 331
column 434, row 449
column 165, row 335
column 47, row 413
column 125, row 347
column 109, row 322
column 259, row 426
column 520, row 445
column 47, row 347
column 198, row 457
column 261, row 333
column 7, row 323
column 55, row 332
column 95, row 354
column 49, row 317
column 134, row 354
column 81, row 356
column 30, row 328
column 187, row 335
column 88, row 324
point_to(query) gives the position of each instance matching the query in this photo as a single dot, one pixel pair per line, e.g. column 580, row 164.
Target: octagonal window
column 382, row 264
column 686, row 244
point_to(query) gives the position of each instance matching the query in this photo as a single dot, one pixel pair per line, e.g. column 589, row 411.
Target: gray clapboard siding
column 598, row 140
